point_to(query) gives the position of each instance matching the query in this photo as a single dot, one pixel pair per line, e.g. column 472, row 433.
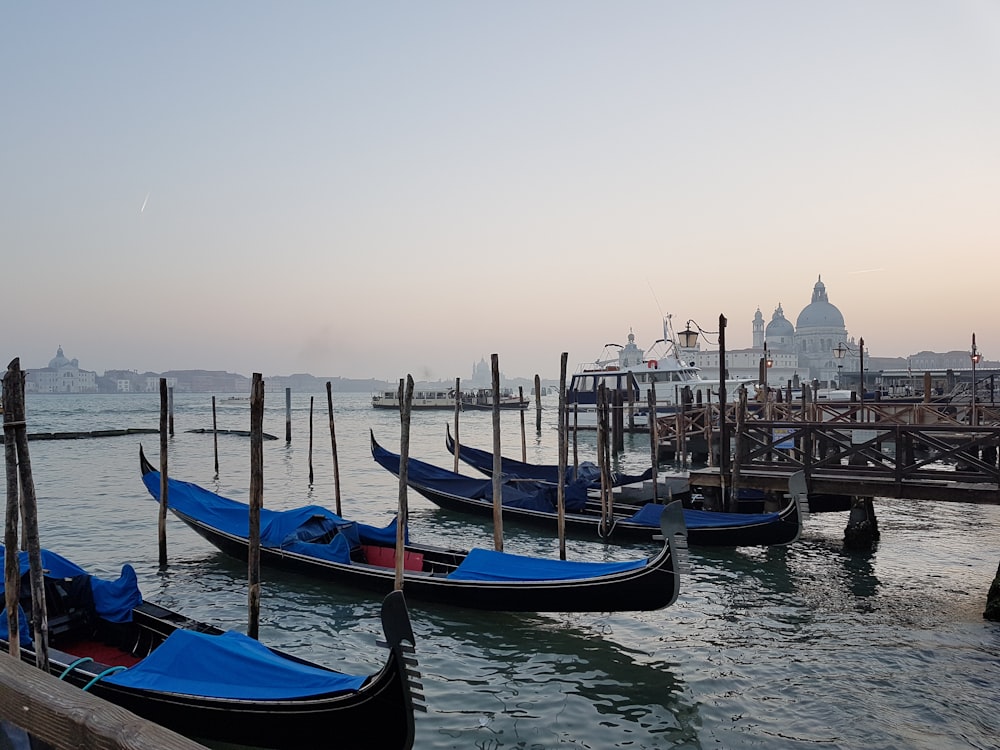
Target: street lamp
column 688, row 338
column 842, row 349
column 975, row 356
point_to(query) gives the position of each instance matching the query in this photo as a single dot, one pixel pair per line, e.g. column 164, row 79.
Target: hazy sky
column 371, row 189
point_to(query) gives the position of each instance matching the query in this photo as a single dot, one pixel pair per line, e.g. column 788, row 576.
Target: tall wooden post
column 215, row 438
column 724, row 462
column 562, row 460
column 16, row 432
column 654, row 439
column 524, row 445
column 164, row 494
column 538, row 403
column 12, row 565
column 402, row 518
column 170, row 409
column 288, row 415
column 458, row 408
column 311, row 440
column 333, row 446
column 497, row 479
column 256, row 501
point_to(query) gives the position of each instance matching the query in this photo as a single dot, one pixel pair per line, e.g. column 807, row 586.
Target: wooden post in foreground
column 164, row 494
column 256, row 501
column 405, row 405
column 333, row 444
column 538, row 403
column 524, row 446
column 215, row 438
column 458, row 408
column 16, row 438
column 497, row 482
column 563, row 457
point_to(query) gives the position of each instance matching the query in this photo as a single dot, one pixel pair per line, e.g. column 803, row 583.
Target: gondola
column 587, row 471
column 535, row 503
column 206, row 683
column 317, row 542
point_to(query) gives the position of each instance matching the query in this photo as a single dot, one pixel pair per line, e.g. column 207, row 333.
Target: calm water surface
column 794, row 647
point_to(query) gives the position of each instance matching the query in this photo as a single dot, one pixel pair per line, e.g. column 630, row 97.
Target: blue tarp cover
column 113, row 600
column 488, row 565
column 587, row 471
column 530, row 495
column 298, row 530
column 649, row 515
column 231, row 665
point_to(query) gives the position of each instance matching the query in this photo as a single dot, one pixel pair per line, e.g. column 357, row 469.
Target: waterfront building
column 63, row 375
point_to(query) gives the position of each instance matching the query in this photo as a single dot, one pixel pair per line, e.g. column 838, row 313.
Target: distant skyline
column 376, row 189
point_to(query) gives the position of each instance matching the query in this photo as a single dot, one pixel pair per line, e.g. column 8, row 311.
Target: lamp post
column 975, row 356
column 839, row 352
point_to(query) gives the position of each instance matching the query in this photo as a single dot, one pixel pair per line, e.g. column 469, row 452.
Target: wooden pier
column 916, row 451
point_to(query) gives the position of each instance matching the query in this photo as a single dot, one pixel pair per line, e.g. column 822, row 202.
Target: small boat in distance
column 422, row 399
column 206, row 683
column 482, row 399
column 314, row 541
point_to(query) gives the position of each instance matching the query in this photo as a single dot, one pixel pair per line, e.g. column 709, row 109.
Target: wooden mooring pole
column 402, row 518
column 164, row 493
column 288, row 415
column 215, row 438
column 563, row 456
column 256, row 502
column 21, row 497
column 458, row 408
column 311, row 440
column 497, row 481
column 524, row 444
column 333, row 446
column 538, row 403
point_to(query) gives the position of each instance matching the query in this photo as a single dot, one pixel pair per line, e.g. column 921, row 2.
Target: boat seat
column 385, row 557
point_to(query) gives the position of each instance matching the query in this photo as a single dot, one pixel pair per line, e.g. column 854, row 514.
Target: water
column 794, row 647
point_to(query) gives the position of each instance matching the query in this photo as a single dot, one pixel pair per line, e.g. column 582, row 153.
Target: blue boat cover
column 113, row 600
column 586, row 471
column 310, row 530
column 649, row 515
column 531, row 495
column 489, row 565
column 231, row 665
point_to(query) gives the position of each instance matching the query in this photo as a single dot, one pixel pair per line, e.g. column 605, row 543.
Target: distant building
column 63, row 375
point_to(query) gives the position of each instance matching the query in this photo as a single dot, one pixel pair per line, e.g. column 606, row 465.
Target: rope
column 74, row 665
column 12, row 425
column 109, row 670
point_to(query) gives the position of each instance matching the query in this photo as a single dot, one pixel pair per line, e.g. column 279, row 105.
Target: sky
column 376, row 189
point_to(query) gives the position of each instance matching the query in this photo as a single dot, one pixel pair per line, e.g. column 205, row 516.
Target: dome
column 819, row 313
column 59, row 360
column 780, row 326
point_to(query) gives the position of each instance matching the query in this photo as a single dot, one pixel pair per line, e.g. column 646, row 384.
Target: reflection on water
column 787, row 647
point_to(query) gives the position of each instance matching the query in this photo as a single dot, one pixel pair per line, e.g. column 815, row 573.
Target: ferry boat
column 482, row 398
column 633, row 371
column 422, row 399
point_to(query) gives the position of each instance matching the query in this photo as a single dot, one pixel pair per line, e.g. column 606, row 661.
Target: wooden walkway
column 916, row 451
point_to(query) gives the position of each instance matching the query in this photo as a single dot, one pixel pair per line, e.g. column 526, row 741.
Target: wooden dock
column 916, row 451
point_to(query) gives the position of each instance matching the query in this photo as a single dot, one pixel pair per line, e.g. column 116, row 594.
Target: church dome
column 780, row 326
column 819, row 313
column 59, row 360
